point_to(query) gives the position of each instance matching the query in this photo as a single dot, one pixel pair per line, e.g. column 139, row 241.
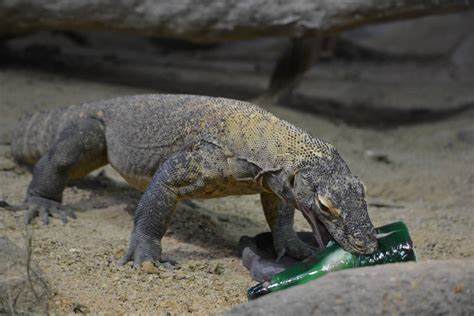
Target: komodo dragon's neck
column 261, row 137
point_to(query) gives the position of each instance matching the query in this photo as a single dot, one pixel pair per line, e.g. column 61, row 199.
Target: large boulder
column 424, row 38
column 404, row 71
column 427, row 288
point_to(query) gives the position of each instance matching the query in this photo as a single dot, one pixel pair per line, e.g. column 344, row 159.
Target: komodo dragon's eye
column 327, row 207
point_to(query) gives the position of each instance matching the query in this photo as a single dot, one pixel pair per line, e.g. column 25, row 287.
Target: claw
column 170, row 264
column 125, row 259
column 31, row 213
column 44, row 215
column 71, row 214
column 281, row 254
column 43, row 207
column 294, row 247
column 143, row 249
column 68, row 213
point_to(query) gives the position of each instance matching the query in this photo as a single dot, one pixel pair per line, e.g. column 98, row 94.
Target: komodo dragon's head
column 332, row 199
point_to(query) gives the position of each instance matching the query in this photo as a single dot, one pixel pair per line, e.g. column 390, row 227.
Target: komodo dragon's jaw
column 278, row 182
column 320, row 232
column 331, row 199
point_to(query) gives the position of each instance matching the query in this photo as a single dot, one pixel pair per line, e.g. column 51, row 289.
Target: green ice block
column 395, row 245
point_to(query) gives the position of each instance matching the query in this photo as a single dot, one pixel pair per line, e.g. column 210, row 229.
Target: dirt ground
column 422, row 174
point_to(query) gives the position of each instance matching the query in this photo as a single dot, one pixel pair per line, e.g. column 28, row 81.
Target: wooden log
column 213, row 20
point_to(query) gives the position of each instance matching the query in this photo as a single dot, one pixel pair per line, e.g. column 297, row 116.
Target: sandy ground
column 421, row 174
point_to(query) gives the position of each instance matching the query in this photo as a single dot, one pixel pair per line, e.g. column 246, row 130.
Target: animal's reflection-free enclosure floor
column 421, row 174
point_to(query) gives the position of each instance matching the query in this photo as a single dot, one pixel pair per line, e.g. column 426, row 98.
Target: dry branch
column 23, row 289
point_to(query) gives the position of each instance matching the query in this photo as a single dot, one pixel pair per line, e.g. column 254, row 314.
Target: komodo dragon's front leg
column 181, row 176
column 280, row 218
column 155, row 208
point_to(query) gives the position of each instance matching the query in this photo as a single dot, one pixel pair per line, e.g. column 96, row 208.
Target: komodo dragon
column 175, row 147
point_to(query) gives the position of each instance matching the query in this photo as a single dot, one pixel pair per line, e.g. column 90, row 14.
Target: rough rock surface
column 427, row 37
column 360, row 91
column 211, row 20
column 428, row 288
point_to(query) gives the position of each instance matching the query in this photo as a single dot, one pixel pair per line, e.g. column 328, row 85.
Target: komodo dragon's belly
column 138, row 167
column 138, row 182
column 223, row 187
column 214, row 188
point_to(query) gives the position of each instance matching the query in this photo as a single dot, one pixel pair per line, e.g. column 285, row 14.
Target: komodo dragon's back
column 156, row 126
column 150, row 128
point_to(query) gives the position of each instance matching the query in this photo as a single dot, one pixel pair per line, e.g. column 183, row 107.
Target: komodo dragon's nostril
column 359, row 245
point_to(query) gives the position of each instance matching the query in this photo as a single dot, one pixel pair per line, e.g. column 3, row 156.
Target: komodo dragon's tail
column 32, row 136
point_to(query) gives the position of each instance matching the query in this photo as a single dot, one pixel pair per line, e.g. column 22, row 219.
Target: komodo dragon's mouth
column 320, row 232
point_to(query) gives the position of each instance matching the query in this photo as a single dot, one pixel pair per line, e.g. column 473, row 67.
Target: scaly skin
column 175, row 147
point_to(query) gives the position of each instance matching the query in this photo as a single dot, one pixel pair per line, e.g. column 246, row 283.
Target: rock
column 221, row 20
column 217, row 269
column 426, row 288
column 405, row 71
column 427, row 37
column 79, row 309
column 462, row 56
column 377, row 156
column 398, row 89
column 18, row 292
column 149, row 267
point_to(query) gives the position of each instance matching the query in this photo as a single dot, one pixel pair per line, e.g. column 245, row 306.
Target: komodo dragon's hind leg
column 79, row 149
column 280, row 217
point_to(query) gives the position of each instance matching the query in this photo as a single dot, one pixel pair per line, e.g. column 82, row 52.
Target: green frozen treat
column 395, row 245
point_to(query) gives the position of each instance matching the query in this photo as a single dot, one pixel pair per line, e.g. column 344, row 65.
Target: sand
column 421, row 174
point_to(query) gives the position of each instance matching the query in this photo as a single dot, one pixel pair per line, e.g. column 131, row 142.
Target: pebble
column 379, row 157
column 79, row 309
column 218, row 269
column 149, row 267
column 6, row 164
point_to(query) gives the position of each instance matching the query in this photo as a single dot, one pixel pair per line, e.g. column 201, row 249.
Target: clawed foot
column 142, row 249
column 43, row 207
column 296, row 248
